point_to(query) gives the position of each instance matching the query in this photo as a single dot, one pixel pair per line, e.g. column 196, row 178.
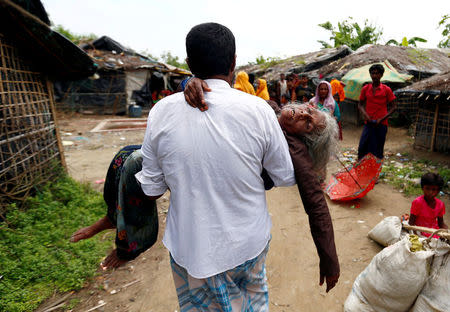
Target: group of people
column 217, row 149
column 243, row 84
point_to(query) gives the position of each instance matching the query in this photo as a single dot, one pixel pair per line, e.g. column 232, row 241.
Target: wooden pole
column 433, row 136
column 58, row 135
column 442, row 232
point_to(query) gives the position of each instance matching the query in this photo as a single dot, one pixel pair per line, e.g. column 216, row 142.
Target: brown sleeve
column 315, row 206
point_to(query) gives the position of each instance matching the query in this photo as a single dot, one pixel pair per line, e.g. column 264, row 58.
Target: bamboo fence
column 433, row 125
column 30, row 149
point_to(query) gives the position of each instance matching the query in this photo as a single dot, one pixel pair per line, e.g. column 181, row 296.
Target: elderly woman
column 312, row 137
column 129, row 210
column 315, row 128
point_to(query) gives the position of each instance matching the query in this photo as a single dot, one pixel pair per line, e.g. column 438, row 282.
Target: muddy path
column 145, row 284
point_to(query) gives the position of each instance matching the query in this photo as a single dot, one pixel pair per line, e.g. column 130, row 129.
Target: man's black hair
column 377, row 67
column 210, row 50
column 431, row 178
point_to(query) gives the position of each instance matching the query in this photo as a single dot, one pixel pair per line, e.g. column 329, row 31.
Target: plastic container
column 135, row 111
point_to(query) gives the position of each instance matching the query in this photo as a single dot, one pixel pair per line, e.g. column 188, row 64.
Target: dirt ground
column 145, row 284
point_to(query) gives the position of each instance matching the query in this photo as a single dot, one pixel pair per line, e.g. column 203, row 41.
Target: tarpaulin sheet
column 135, row 80
column 356, row 78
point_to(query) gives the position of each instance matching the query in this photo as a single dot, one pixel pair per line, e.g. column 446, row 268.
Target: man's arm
column 151, row 177
column 316, row 207
column 393, row 105
column 362, row 110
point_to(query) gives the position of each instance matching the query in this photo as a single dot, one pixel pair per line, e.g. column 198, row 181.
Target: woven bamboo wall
column 433, row 115
column 29, row 149
column 408, row 104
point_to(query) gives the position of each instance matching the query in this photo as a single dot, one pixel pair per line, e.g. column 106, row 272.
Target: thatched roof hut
column 31, row 57
column 429, row 102
column 123, row 77
column 421, row 63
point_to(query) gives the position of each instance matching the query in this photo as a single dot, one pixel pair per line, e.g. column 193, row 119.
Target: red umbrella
column 355, row 181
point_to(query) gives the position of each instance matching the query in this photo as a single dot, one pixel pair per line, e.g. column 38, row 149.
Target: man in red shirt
column 376, row 97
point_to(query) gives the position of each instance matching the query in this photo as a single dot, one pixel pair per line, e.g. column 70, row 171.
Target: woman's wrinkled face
column 301, row 119
column 323, row 91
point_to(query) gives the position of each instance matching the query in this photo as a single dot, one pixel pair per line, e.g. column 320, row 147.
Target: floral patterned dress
column 134, row 215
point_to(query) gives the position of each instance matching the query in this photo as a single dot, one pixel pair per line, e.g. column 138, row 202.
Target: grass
column 405, row 177
column 36, row 257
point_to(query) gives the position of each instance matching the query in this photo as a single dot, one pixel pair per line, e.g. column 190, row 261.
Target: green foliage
column 406, row 42
column 75, row 38
column 419, row 56
column 36, row 257
column 445, row 42
column 266, row 62
column 351, row 34
column 300, row 61
column 173, row 60
column 149, row 55
column 405, row 175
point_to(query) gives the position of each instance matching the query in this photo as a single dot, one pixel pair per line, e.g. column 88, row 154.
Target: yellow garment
column 243, row 84
column 262, row 91
column 336, row 87
column 416, row 245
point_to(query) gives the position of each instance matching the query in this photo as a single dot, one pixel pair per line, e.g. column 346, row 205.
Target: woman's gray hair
column 322, row 143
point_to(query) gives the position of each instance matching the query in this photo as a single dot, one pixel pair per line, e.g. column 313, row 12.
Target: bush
column 36, row 257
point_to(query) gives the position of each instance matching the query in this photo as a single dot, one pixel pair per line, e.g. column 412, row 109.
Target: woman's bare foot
column 89, row 231
column 112, row 261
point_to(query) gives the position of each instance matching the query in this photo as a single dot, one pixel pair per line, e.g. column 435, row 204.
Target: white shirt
column 283, row 87
column 211, row 162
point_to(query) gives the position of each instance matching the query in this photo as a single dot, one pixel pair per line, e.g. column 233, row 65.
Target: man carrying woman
column 312, row 138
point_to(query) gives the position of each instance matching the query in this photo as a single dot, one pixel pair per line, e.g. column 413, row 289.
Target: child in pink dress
column 427, row 210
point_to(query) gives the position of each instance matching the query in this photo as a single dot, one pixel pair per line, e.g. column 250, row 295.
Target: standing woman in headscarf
column 243, row 84
column 324, row 100
column 262, row 90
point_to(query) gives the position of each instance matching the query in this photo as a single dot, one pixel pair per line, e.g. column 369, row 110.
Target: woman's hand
column 193, row 93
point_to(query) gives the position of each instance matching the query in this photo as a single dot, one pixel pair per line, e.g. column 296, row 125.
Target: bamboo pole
column 442, row 232
column 58, row 136
column 433, row 136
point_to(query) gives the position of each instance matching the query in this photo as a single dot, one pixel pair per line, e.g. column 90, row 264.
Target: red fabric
column 376, row 102
column 427, row 216
column 343, row 187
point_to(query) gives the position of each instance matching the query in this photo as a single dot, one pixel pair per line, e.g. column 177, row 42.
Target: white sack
column 435, row 295
column 394, row 278
column 387, row 232
column 355, row 304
